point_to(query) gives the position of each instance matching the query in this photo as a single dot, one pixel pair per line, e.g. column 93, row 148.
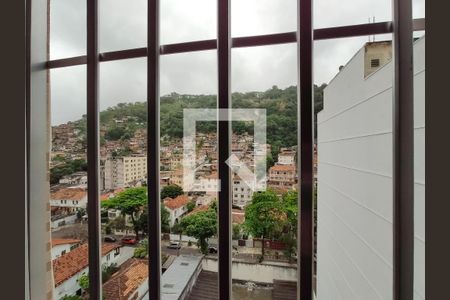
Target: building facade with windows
column 124, row 171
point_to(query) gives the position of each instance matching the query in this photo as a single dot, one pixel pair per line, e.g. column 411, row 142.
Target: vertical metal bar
column 93, row 206
column 223, row 52
column 153, row 150
column 305, row 138
column 403, row 151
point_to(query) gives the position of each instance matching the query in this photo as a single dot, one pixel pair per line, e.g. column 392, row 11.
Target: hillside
column 121, row 121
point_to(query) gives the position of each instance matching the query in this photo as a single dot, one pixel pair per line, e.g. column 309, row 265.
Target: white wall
column 264, row 272
column 355, row 183
column 58, row 249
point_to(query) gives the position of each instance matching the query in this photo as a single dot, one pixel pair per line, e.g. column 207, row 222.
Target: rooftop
column 127, row 280
column 68, row 194
column 75, row 261
column 56, row 242
column 178, row 202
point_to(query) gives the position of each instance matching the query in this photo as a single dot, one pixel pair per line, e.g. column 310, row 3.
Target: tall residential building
column 286, row 157
column 242, row 193
column 124, row 171
column 355, row 186
column 282, row 177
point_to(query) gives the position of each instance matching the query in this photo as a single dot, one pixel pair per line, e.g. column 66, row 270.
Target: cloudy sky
column 123, row 25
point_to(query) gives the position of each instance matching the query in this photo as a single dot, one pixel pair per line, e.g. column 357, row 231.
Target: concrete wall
column 264, row 272
column 354, row 254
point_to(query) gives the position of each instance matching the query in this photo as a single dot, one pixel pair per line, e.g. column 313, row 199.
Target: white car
column 174, row 245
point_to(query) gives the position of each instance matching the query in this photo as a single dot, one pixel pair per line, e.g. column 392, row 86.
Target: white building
column 71, row 198
column 124, row 171
column 177, row 208
column 355, row 229
column 63, row 246
column 286, row 157
column 68, row 268
column 242, row 194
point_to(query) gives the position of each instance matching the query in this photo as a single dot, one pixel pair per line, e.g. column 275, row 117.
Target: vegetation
column 143, row 218
column 130, row 202
column 171, row 191
column 108, row 271
column 66, row 168
column 83, row 281
column 280, row 105
column 72, row 297
column 190, row 206
column 201, row 225
column 142, row 250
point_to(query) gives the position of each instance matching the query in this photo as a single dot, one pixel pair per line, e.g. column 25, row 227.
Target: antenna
column 374, row 23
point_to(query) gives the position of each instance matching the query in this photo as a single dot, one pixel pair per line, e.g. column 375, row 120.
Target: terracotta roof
column 69, row 264
column 56, row 242
column 127, row 280
column 238, row 216
column 282, row 168
column 178, row 202
column 212, row 176
column 199, row 209
column 68, row 194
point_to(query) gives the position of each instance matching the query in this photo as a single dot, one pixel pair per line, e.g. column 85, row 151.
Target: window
column 375, row 63
column 127, row 73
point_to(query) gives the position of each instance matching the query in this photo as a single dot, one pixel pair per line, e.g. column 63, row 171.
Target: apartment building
column 124, row 171
column 355, row 183
column 286, row 157
column 282, row 177
column 242, row 194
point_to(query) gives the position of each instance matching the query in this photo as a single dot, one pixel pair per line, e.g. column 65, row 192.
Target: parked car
column 110, row 239
column 212, row 249
column 129, row 240
column 174, row 245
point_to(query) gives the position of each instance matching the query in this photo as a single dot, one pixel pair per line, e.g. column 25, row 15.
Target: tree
column 171, row 191
column 130, row 202
column 201, row 225
column 190, row 206
column 265, row 216
column 165, row 223
column 83, row 281
column 236, row 231
column 72, row 297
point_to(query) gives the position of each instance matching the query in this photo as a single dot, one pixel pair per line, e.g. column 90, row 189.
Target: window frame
column 402, row 27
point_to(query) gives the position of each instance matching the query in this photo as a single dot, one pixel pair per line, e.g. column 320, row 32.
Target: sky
column 122, row 25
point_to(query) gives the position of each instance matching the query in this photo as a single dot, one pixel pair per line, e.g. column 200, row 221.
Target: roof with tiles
column 282, row 168
column 178, row 202
column 68, row 265
column 56, row 242
column 127, row 280
column 69, row 194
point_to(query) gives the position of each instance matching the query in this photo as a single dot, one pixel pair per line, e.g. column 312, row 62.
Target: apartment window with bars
column 97, row 60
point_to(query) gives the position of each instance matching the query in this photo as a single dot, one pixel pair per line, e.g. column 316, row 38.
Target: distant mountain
column 122, row 120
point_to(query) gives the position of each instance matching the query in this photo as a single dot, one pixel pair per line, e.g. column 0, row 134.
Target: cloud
column 122, row 25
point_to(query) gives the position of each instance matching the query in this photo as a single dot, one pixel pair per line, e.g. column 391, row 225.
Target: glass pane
column 265, row 219
column 189, row 222
column 419, row 167
column 123, row 177
column 67, row 28
column 354, row 176
column 256, row 17
column 122, row 24
column 331, row 13
column 68, row 180
column 184, row 21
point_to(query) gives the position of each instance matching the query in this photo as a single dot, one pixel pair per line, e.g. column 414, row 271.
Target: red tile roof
column 56, row 242
column 69, row 194
column 76, row 260
column 178, row 202
column 238, row 216
column 127, row 280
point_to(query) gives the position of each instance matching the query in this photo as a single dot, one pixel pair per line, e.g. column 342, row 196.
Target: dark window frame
column 402, row 26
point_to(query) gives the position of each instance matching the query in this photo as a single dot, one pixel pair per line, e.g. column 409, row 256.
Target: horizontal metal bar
column 123, row 54
column 188, row 47
column 353, row 30
column 264, row 40
column 247, row 41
